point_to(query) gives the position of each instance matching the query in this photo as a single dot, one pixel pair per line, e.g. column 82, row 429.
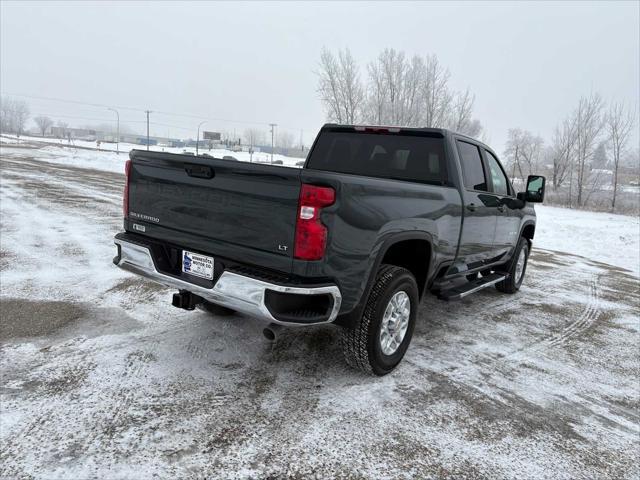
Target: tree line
column 591, row 141
column 14, row 115
column 395, row 90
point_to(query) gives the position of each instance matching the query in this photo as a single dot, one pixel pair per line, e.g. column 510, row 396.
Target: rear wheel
column 516, row 268
column 378, row 341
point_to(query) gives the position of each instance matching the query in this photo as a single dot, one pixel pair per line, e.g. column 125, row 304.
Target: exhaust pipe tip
column 271, row 331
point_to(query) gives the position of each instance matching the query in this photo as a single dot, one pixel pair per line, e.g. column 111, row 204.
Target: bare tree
column 399, row 91
column 21, row 115
column 395, row 93
column 6, row 115
column 44, row 123
column 461, row 114
column 376, row 98
column 410, row 99
column 285, row 139
column 254, row 136
column 13, row 115
column 563, row 151
column 351, row 86
column 435, row 93
column 522, row 152
column 391, row 65
column 340, row 87
column 588, row 121
column 619, row 124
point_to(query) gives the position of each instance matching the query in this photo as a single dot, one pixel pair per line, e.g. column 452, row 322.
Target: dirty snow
column 102, row 378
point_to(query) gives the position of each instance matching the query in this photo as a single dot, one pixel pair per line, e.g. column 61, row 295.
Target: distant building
column 75, row 133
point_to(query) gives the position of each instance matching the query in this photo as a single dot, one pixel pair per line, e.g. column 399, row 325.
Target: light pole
column 198, row 136
column 147, row 112
column 117, row 129
column 272, row 125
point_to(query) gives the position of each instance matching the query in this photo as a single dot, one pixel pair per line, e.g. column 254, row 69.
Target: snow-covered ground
column 102, row 378
column 605, row 237
column 107, row 159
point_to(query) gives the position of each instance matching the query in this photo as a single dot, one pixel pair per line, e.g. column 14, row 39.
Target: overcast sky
column 527, row 63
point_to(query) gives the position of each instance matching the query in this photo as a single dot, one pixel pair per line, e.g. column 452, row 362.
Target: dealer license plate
column 198, row 265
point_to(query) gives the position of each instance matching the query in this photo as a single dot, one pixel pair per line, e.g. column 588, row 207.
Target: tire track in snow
column 587, row 319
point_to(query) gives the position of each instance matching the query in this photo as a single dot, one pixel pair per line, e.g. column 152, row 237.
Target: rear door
column 508, row 220
column 480, row 210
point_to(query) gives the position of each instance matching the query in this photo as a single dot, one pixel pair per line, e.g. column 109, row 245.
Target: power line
column 161, row 112
column 99, row 105
column 108, row 120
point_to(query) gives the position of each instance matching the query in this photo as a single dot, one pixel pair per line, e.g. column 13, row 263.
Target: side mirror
column 535, row 189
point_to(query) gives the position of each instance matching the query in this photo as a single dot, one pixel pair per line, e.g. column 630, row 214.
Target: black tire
column 512, row 284
column 361, row 342
column 215, row 309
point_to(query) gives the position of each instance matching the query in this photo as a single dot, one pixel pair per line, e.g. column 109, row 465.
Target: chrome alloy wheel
column 395, row 322
column 522, row 259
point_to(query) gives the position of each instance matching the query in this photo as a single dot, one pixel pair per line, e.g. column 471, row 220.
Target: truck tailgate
column 242, row 211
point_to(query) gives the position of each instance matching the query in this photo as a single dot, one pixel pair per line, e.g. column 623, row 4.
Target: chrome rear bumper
column 238, row 292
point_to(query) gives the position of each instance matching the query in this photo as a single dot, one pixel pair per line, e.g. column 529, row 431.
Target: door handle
column 199, row 171
column 501, row 208
column 471, row 207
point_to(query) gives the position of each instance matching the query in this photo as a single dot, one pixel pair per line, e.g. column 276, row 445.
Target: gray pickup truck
column 376, row 218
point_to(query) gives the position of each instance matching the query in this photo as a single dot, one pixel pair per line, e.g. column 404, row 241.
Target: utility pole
column 117, row 129
column 148, row 112
column 273, row 126
column 198, row 135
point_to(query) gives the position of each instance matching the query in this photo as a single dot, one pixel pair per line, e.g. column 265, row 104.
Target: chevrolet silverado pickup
column 376, row 218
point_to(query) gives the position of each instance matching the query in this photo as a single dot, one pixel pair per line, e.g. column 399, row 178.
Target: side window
column 472, row 167
column 499, row 179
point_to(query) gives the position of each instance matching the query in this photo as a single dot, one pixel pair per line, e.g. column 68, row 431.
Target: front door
column 508, row 220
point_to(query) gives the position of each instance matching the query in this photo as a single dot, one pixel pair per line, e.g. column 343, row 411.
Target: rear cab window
column 404, row 155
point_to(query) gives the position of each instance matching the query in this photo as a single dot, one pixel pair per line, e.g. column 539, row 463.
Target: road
column 101, row 377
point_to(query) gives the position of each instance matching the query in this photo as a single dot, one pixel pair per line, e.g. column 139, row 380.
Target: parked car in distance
column 377, row 218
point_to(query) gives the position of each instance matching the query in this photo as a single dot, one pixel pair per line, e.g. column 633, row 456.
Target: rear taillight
column 125, row 195
column 311, row 234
